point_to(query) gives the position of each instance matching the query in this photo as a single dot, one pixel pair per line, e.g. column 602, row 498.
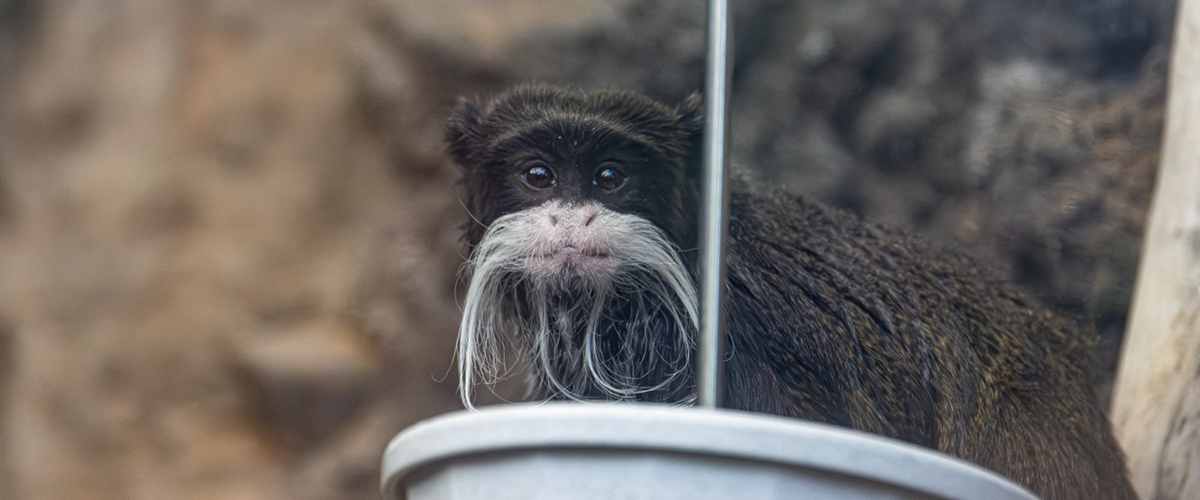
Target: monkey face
column 579, row 204
column 618, row 151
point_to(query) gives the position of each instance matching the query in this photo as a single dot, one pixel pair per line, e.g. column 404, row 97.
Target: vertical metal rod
column 715, row 205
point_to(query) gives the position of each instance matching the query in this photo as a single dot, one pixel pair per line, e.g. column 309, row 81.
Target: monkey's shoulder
column 783, row 245
column 780, row 222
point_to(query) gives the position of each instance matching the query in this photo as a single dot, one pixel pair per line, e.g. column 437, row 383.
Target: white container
column 567, row 451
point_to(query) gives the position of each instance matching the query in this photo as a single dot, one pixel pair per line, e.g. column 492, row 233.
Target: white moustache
column 592, row 254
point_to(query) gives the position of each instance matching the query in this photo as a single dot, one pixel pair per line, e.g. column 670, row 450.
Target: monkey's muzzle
column 573, row 240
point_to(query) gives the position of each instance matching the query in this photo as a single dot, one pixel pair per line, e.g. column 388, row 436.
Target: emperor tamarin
column 582, row 245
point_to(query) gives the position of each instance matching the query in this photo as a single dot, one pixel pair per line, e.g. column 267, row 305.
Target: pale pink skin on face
column 572, row 240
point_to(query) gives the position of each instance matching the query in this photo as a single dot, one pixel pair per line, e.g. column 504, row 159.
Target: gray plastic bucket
column 628, row 452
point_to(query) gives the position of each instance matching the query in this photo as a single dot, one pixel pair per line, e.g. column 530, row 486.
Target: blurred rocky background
column 228, row 233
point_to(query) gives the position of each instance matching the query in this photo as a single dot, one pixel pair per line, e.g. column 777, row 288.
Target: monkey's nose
column 554, row 218
column 589, row 214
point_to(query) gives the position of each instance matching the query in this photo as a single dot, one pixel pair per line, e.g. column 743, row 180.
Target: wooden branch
column 1156, row 401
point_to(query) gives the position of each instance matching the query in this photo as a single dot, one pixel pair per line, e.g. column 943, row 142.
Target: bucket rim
column 691, row 431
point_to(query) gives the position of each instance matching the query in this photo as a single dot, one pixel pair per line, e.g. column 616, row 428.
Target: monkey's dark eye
column 608, row 177
column 538, row 175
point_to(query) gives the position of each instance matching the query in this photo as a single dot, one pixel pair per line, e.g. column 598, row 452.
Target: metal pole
column 716, row 204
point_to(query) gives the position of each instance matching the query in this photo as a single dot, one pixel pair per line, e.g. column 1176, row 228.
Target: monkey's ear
column 690, row 113
column 464, row 131
column 690, row 118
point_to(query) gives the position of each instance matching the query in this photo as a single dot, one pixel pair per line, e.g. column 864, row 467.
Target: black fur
column 576, row 131
column 828, row 318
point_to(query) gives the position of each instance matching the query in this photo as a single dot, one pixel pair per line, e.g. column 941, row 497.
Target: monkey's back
column 834, row 320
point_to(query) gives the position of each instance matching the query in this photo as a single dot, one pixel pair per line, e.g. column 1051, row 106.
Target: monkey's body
column 834, row 320
column 827, row 318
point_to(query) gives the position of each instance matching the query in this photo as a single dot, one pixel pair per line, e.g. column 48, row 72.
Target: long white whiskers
column 649, row 273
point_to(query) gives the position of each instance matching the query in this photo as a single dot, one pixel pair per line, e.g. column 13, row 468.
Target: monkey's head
column 579, row 205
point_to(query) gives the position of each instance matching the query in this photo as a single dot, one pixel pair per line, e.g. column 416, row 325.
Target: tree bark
column 1156, row 404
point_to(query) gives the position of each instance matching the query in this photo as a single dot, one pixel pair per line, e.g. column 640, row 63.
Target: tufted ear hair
column 464, row 131
column 690, row 118
column 690, row 113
